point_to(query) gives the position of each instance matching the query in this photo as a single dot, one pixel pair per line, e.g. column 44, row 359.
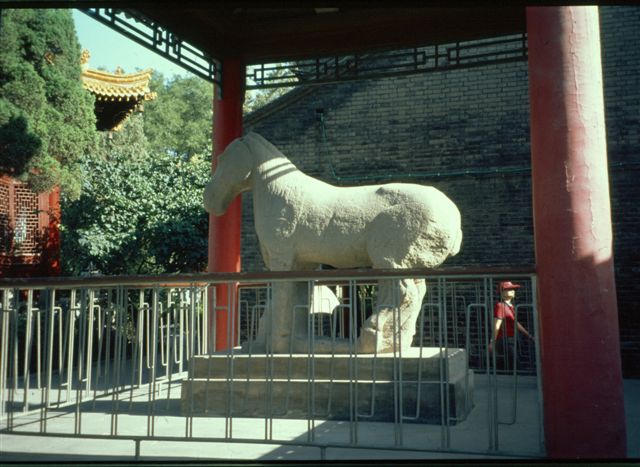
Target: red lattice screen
column 27, row 242
column 5, row 238
column 26, row 228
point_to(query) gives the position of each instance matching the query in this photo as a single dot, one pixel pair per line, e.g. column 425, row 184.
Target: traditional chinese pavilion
column 29, row 233
column 117, row 94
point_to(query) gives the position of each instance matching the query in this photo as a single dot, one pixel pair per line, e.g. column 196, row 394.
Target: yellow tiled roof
column 118, row 86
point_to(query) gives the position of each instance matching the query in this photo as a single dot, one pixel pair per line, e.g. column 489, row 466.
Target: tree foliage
column 140, row 212
column 47, row 120
column 178, row 121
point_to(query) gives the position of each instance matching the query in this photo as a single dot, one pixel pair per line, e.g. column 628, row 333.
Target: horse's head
column 231, row 177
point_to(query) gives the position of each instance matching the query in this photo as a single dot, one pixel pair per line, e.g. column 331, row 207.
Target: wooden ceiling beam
column 262, row 38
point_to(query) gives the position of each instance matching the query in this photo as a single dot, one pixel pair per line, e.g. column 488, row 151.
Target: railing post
column 5, row 321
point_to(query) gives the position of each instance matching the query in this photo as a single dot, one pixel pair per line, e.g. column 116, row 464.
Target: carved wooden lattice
column 5, row 237
column 20, row 229
column 26, row 230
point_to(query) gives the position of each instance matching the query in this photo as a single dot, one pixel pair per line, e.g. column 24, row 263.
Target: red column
column 52, row 246
column 581, row 369
column 224, row 231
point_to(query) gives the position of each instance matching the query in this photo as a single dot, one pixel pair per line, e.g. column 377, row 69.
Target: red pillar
column 224, row 231
column 52, row 246
column 580, row 348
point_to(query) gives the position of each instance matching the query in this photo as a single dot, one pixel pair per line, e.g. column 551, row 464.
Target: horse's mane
column 259, row 146
column 268, row 159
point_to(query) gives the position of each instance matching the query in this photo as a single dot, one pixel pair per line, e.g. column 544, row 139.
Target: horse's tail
column 456, row 243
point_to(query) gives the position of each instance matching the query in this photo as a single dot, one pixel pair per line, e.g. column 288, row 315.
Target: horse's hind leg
column 392, row 326
column 409, row 317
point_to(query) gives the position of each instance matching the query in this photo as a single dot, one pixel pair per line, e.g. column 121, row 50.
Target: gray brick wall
column 431, row 128
column 620, row 36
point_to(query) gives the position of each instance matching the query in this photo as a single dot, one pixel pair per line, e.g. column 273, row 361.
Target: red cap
column 508, row 285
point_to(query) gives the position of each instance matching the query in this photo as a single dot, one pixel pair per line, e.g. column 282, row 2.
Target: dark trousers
column 505, row 352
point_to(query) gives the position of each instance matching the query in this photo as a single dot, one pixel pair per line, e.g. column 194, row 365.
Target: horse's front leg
column 289, row 315
column 285, row 316
column 274, row 326
column 393, row 323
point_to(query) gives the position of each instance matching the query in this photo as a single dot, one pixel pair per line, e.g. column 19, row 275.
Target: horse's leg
column 374, row 328
column 411, row 312
column 275, row 323
column 291, row 315
column 392, row 325
column 287, row 313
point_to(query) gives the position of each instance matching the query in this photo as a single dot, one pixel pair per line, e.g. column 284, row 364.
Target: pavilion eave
column 276, row 35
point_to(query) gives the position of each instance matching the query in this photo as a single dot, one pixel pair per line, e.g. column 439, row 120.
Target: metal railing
column 130, row 352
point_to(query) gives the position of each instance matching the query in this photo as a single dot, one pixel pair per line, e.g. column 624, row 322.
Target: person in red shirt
column 504, row 324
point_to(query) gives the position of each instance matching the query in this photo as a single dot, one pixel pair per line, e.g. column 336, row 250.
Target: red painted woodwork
column 224, row 231
column 51, row 257
column 29, row 231
column 581, row 370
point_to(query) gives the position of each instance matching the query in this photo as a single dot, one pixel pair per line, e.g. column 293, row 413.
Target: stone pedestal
column 422, row 384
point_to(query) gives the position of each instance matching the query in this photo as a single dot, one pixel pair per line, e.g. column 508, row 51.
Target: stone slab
column 331, row 387
column 331, row 400
column 427, row 363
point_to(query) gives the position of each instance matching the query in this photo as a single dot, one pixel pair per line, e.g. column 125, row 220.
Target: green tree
column 140, row 212
column 178, row 122
column 47, row 120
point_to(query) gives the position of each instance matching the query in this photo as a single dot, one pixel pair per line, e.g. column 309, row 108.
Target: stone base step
column 416, row 364
column 424, row 382
column 332, row 400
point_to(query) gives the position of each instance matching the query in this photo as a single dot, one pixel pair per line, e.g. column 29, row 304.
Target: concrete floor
column 289, row 440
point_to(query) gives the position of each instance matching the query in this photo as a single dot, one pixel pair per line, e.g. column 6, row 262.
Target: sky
column 110, row 49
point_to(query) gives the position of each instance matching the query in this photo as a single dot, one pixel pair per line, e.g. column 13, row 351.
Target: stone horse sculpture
column 302, row 222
